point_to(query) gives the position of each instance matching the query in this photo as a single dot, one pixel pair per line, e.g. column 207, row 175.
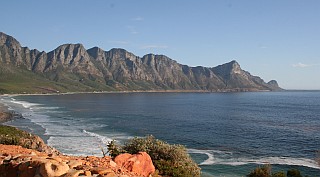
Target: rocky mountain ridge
column 74, row 67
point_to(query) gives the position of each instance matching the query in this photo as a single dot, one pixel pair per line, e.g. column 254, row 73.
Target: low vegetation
column 169, row 160
column 11, row 135
column 265, row 171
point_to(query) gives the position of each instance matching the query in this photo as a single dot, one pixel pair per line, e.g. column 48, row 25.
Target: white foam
column 25, row 104
column 226, row 158
column 77, row 145
column 103, row 139
column 289, row 161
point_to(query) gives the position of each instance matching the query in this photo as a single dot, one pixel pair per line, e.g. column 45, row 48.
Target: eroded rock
column 53, row 168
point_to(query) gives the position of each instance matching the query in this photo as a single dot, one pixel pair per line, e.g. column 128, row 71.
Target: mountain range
column 71, row 67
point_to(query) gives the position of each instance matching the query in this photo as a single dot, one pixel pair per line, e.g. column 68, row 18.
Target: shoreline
column 137, row 91
column 5, row 114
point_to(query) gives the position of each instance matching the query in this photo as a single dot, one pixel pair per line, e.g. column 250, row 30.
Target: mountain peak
column 120, row 53
column 233, row 63
column 229, row 68
column 8, row 40
column 71, row 45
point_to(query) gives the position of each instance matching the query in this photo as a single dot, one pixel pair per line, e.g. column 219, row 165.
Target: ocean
column 227, row 134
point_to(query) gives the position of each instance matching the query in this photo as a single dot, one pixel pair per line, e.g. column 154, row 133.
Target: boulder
column 140, row 163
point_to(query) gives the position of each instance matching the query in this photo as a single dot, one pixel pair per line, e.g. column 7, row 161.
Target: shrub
column 279, row 174
column 293, row 173
column 10, row 135
column 264, row 171
column 171, row 160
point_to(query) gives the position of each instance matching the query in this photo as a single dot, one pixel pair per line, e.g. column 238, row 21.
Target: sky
column 273, row 39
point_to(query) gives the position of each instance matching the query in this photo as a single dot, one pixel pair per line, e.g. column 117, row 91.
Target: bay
column 227, row 134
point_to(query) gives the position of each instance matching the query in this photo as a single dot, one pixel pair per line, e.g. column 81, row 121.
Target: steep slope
column 70, row 67
column 237, row 79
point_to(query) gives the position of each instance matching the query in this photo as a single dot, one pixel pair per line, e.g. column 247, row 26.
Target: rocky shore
column 25, row 155
column 5, row 114
column 16, row 161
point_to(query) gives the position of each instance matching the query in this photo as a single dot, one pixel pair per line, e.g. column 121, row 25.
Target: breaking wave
column 226, row 158
column 103, row 139
column 24, row 103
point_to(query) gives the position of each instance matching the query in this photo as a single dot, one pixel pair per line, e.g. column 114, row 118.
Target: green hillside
column 19, row 80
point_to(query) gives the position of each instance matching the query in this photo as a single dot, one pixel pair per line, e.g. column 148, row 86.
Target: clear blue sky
column 274, row 39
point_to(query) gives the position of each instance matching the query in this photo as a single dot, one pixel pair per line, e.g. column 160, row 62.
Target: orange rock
column 112, row 174
column 37, row 162
column 58, row 159
column 74, row 163
column 53, row 168
column 21, row 162
column 87, row 173
column 113, row 164
column 100, row 170
column 73, row 173
column 29, row 172
column 140, row 163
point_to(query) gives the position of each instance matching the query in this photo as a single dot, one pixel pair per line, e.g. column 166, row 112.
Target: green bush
column 293, row 173
column 171, row 160
column 264, row 171
column 10, row 135
column 279, row 174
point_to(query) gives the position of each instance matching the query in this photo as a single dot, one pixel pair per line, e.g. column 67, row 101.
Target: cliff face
column 118, row 69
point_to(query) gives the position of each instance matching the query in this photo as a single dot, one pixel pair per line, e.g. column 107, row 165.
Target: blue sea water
column 227, row 134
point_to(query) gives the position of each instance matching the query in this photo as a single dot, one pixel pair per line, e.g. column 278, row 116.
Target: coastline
column 5, row 114
column 138, row 91
column 110, row 95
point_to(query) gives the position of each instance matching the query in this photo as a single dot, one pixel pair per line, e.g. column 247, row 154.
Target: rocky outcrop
column 5, row 116
column 13, row 136
column 140, row 163
column 16, row 161
column 119, row 69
